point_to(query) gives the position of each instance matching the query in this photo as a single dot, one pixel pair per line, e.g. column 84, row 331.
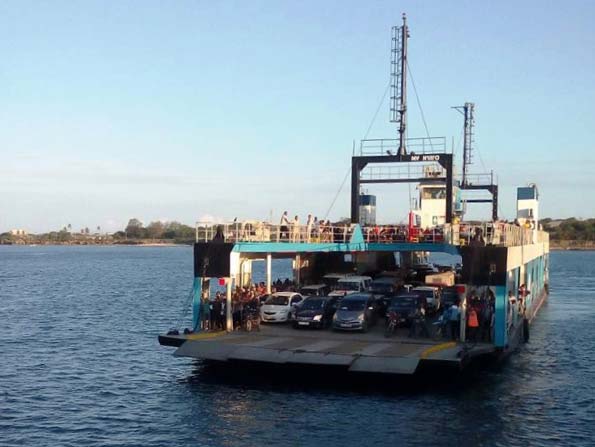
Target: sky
column 191, row 110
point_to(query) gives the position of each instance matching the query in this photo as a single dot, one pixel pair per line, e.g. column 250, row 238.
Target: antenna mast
column 398, row 74
column 468, row 111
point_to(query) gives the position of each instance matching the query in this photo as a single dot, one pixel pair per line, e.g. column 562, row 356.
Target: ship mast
column 468, row 136
column 398, row 108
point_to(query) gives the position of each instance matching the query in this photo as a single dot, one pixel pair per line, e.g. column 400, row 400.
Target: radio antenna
column 468, row 136
column 398, row 75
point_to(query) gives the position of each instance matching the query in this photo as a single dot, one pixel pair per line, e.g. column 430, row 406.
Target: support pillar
column 449, row 181
column 298, row 270
column 501, row 317
column 229, row 316
column 463, row 320
column 355, row 181
column 196, row 300
column 269, row 275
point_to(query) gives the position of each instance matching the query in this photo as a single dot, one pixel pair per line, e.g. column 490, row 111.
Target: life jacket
column 473, row 318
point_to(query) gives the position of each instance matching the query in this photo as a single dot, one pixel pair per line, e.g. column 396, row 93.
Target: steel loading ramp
column 369, row 353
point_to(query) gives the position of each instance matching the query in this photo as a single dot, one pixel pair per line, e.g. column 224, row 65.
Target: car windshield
column 313, row 304
column 403, row 302
column 352, row 305
column 347, row 285
column 276, row 300
column 427, row 293
column 308, row 291
column 381, row 288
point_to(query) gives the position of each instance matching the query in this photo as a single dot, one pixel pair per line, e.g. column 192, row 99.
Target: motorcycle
column 393, row 320
column 251, row 320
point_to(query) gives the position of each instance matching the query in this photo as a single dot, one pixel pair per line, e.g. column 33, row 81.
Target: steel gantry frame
column 358, row 163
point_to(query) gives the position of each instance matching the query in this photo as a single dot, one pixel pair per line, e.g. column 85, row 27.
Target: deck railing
column 265, row 232
column 487, row 233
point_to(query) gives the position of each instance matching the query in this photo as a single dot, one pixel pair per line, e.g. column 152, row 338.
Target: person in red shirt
column 472, row 322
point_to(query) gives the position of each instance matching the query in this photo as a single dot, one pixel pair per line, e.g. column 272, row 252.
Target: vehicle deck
column 355, row 352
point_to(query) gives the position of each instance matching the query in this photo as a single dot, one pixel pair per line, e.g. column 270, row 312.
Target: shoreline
column 553, row 246
column 572, row 248
column 67, row 244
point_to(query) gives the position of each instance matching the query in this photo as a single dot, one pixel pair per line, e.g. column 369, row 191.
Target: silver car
column 355, row 312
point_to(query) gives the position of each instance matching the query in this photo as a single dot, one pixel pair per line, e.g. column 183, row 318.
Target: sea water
column 80, row 366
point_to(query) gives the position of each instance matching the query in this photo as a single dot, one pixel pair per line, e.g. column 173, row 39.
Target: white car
column 432, row 295
column 277, row 308
column 351, row 284
column 331, row 279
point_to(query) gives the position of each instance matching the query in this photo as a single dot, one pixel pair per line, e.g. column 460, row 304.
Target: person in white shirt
column 309, row 224
column 295, row 230
column 284, row 227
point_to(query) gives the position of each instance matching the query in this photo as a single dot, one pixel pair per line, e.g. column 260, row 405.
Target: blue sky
column 179, row 110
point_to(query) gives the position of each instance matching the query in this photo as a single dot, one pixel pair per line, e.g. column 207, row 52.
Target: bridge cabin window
column 433, row 193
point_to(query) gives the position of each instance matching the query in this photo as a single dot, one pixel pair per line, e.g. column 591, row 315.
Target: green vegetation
column 134, row 233
column 570, row 229
column 172, row 231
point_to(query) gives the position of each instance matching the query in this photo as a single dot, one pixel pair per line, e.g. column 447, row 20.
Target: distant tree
column 155, row 230
column 64, row 236
column 134, row 229
column 69, row 227
column 119, row 235
column 87, row 231
column 98, row 229
column 571, row 229
column 176, row 230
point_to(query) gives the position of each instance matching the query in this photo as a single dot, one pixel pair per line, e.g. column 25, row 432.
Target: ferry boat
column 504, row 263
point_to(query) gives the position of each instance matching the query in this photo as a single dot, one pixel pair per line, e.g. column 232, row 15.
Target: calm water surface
column 80, row 365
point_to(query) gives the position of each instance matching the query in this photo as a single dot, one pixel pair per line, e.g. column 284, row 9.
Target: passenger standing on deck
column 486, row 321
column 295, row 230
column 309, row 223
column 523, row 292
column 315, row 228
column 284, row 227
column 223, row 314
column 236, row 309
column 455, row 320
column 511, row 310
column 472, row 323
column 216, row 320
column 419, row 320
column 205, row 313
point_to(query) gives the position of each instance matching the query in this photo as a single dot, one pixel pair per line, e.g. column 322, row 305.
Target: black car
column 405, row 305
column 316, row 312
column 315, row 290
column 383, row 289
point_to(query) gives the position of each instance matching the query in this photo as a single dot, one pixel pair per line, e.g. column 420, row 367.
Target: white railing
column 252, row 231
column 487, row 233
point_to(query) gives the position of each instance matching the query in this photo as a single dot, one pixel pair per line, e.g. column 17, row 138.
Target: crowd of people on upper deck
column 314, row 230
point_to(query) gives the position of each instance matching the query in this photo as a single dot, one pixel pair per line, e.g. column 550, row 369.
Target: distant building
column 18, row 232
